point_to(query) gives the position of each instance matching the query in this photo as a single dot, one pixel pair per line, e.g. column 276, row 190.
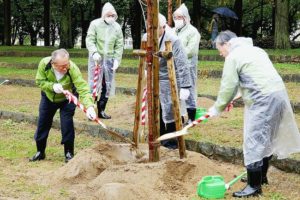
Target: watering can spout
column 229, row 184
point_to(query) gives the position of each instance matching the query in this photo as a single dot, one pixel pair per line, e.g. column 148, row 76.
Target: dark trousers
column 47, row 111
column 168, row 128
column 101, row 104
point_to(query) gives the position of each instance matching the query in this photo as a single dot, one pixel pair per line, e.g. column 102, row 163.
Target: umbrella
column 225, row 12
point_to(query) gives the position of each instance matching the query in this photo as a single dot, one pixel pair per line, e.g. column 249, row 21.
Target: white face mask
column 110, row 20
column 179, row 23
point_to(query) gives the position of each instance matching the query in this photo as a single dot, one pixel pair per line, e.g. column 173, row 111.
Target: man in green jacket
column 104, row 41
column 55, row 74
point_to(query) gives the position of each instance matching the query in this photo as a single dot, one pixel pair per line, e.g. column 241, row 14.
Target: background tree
column 281, row 40
column 66, row 22
column 136, row 23
column 1, row 22
column 97, row 9
column 47, row 22
column 7, row 22
column 196, row 17
column 31, row 18
column 238, row 8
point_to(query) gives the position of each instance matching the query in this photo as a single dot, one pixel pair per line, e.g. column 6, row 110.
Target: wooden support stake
column 170, row 12
column 156, row 104
column 176, row 105
column 137, row 118
column 178, row 3
column 152, row 42
column 140, row 52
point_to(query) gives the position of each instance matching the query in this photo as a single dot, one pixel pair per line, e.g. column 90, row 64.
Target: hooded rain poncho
column 269, row 124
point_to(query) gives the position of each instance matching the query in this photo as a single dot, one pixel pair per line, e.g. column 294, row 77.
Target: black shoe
column 104, row 116
column 38, row 156
column 68, row 157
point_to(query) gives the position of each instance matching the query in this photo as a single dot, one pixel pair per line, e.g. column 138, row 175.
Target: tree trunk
column 33, row 39
column 125, row 21
column 136, row 24
column 273, row 19
column 197, row 14
column 84, row 28
column 238, row 8
column 47, row 22
column 97, row 8
column 281, row 40
column 53, row 32
column 7, row 22
column 66, row 30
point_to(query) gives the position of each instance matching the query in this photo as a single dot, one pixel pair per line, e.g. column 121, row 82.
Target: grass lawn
column 208, row 86
column 18, row 177
column 224, row 130
column 277, row 52
column 284, row 68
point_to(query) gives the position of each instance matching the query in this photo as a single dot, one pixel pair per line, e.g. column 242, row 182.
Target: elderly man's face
column 223, row 49
column 61, row 64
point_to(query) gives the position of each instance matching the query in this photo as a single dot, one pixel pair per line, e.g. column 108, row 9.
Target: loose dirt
column 113, row 171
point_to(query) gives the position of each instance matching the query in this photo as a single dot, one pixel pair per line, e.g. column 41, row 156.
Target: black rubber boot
column 191, row 113
column 264, row 171
column 101, row 105
column 69, row 151
column 191, row 116
column 40, row 154
column 171, row 143
column 253, row 187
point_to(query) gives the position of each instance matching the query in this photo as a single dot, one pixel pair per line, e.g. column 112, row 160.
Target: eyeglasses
column 61, row 66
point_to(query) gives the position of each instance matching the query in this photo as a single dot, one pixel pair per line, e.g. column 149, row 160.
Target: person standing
column 104, row 42
column 190, row 39
column 55, row 74
column 182, row 72
column 214, row 29
column 269, row 123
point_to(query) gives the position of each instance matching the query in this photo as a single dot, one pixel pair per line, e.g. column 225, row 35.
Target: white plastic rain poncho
column 269, row 124
column 190, row 39
column 107, row 40
column 181, row 70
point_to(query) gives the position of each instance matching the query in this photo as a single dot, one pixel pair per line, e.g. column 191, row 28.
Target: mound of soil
column 115, row 171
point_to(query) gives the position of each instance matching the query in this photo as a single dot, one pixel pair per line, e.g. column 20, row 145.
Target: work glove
column 184, row 94
column 96, row 57
column 58, row 88
column 213, row 112
column 116, row 65
column 90, row 113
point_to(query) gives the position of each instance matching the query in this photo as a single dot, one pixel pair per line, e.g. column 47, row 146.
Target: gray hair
column 61, row 53
column 224, row 37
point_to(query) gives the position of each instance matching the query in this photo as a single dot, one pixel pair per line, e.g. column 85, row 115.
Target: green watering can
column 214, row 187
column 200, row 112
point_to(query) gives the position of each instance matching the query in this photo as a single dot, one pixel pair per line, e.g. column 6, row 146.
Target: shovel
column 214, row 187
